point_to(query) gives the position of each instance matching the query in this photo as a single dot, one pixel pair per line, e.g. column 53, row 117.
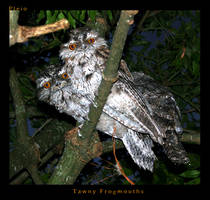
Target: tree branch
column 80, row 150
column 140, row 25
column 34, row 174
column 155, row 12
column 51, row 135
column 191, row 137
column 31, row 112
column 108, row 146
column 25, row 32
column 19, row 34
column 20, row 112
column 110, row 72
column 24, row 175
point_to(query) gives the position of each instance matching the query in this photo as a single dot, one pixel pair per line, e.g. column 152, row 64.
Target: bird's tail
column 140, row 149
column 174, row 149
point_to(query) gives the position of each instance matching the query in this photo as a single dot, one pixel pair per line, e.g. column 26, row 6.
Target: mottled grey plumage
column 142, row 111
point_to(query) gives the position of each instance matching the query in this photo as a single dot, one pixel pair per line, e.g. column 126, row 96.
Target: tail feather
column 174, row 149
column 140, row 149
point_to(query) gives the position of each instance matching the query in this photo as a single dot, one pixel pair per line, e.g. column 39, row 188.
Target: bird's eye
column 72, row 46
column 91, row 40
column 65, row 75
column 46, row 84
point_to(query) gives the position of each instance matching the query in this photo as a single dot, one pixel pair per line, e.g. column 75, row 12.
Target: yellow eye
column 72, row 46
column 65, row 76
column 91, row 40
column 46, row 84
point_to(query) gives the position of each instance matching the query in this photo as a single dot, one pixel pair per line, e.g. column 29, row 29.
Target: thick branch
column 19, row 34
column 24, row 175
column 100, row 25
column 13, row 26
column 25, row 32
column 51, row 135
column 20, row 112
column 110, row 72
column 31, row 112
column 33, row 170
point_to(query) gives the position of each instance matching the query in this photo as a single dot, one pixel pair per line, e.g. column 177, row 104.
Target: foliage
column 103, row 172
column 75, row 17
column 175, row 60
column 172, row 57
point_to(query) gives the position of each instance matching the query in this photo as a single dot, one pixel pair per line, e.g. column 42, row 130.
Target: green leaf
column 60, row 16
column 82, row 15
column 195, row 181
column 49, row 15
column 190, row 174
column 75, row 14
column 92, row 14
column 55, row 13
column 71, row 20
column 194, row 158
column 41, row 16
column 109, row 13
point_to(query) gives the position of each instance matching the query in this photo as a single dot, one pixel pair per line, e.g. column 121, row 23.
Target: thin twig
column 140, row 25
column 191, row 131
column 189, row 111
column 155, row 12
column 110, row 163
column 106, row 178
column 191, row 136
column 186, row 100
column 40, row 128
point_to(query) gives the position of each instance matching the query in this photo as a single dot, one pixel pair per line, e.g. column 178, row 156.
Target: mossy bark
column 13, row 26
